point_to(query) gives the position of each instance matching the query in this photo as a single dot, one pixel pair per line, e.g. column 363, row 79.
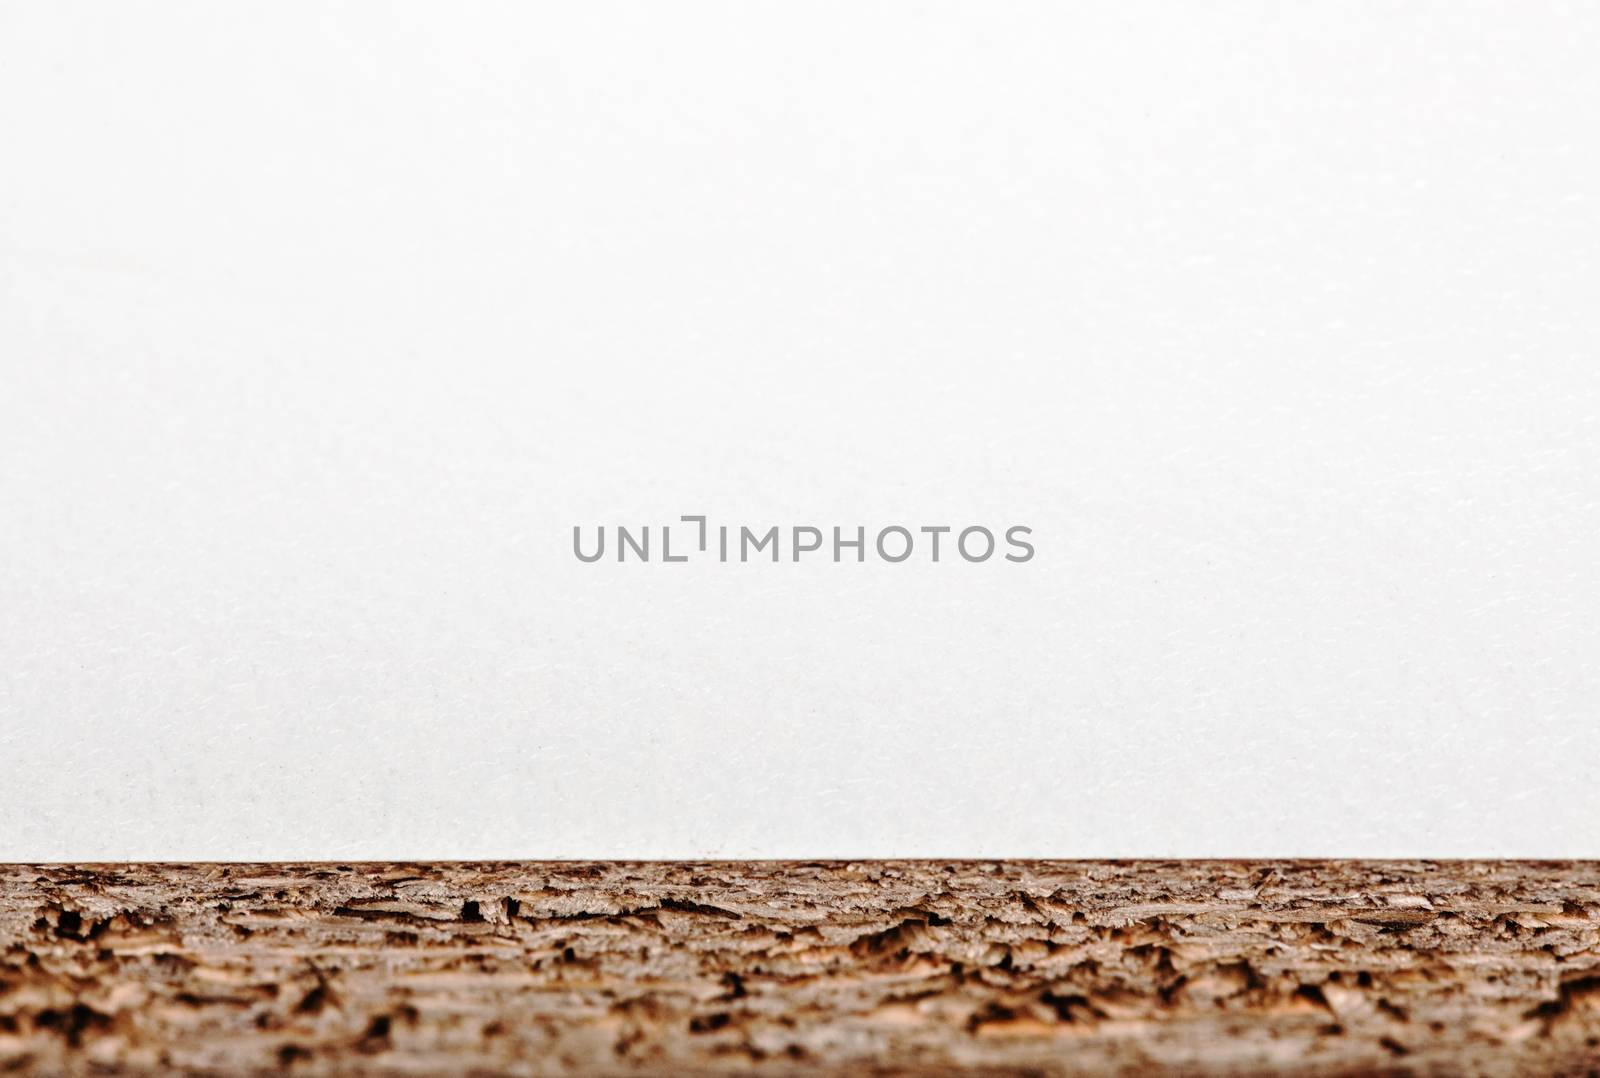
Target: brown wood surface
column 1043, row 967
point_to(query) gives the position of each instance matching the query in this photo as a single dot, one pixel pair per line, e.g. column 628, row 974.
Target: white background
column 322, row 325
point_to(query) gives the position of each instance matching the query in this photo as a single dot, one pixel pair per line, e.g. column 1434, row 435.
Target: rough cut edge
column 894, row 966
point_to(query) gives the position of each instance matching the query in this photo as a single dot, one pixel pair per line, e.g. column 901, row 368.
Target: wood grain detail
column 782, row 967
